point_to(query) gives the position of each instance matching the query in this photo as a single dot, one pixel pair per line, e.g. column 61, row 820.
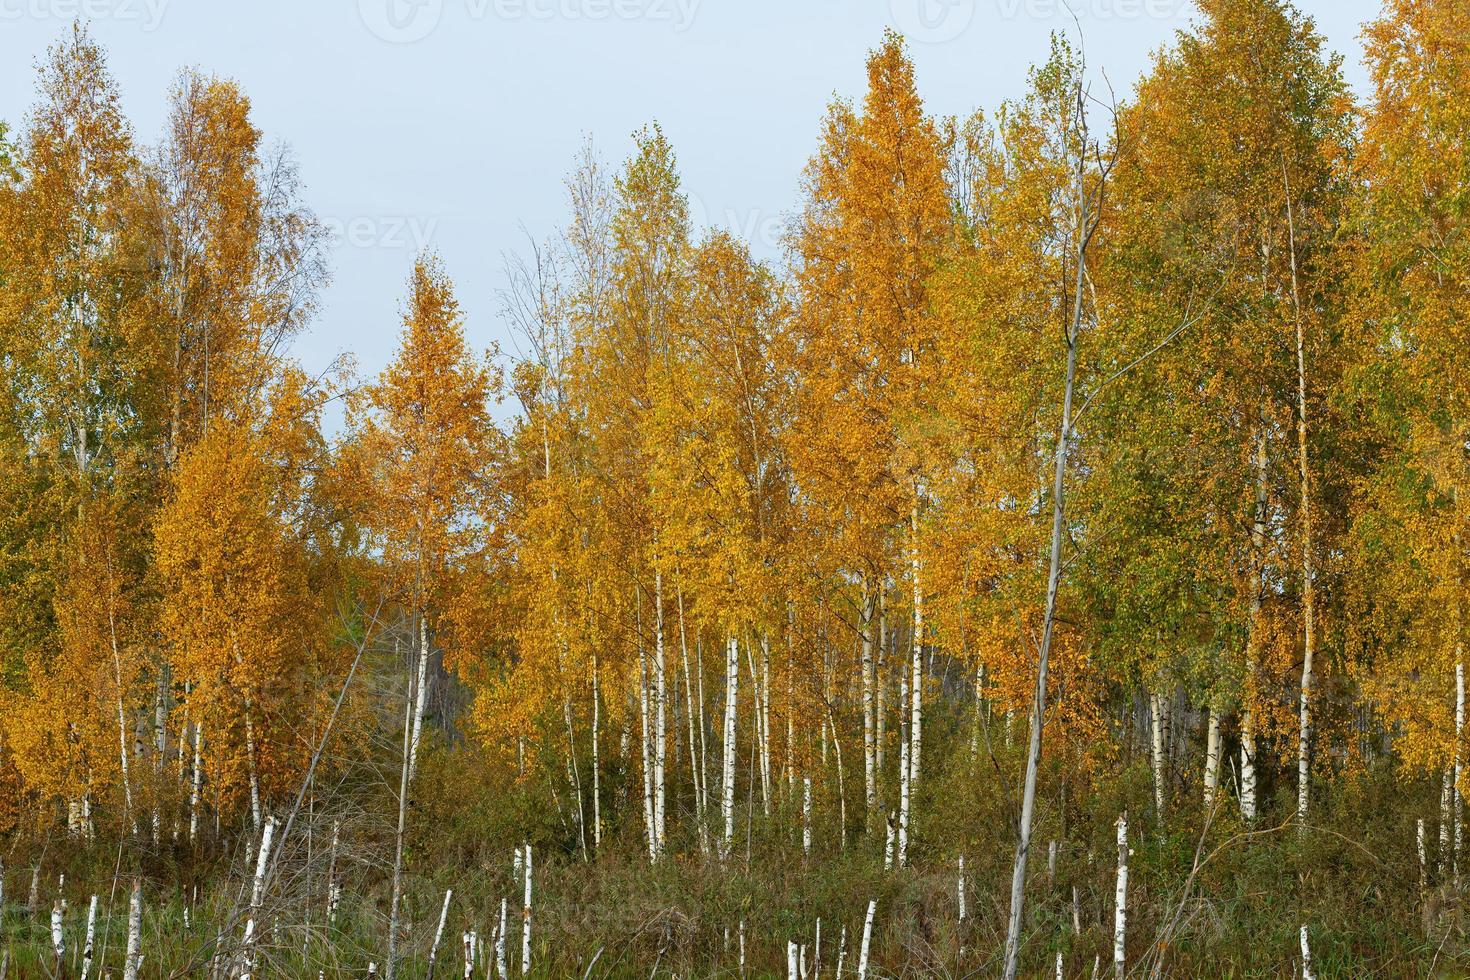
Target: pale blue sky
column 452, row 122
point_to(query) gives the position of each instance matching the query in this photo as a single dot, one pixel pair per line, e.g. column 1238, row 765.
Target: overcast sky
column 451, row 123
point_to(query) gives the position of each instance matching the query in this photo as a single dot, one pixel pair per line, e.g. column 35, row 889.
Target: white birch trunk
column 916, row 694
column 661, row 700
column 196, row 782
column 905, row 774
column 133, row 958
column 439, row 932
column 526, row 920
column 255, row 811
column 501, row 964
column 1212, row 759
column 732, row 690
column 58, row 935
column 257, row 896
column 960, row 888
column 870, row 721
column 405, row 778
column 867, row 939
column 1120, row 902
column 1248, row 716
column 880, row 697
column 806, row 816
column 1307, row 973
column 122, row 723
column 89, row 944
column 700, row 801
column 1446, row 791
column 421, row 688
column 1309, row 636
column 1423, row 848
column 1458, row 756
column 1157, row 730
column 841, row 950
column 596, row 754
column 645, row 732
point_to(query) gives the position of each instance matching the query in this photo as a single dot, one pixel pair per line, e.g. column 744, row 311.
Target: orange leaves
column 425, row 442
column 243, row 626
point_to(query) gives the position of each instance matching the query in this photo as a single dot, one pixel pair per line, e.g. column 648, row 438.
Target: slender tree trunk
column 645, row 725
column 867, row 939
column 1309, row 636
column 1086, row 223
column 255, row 812
column 870, row 730
column 1248, row 716
column 133, row 957
column 405, row 776
column 196, row 782
column 905, row 770
column 700, row 802
column 87, row 947
column 1156, row 714
column 732, row 690
column 806, row 816
column 1459, row 734
column 1120, row 902
column 526, row 920
column 880, row 707
column 122, row 722
column 1212, row 759
column 596, row 753
column 916, row 692
column 439, row 933
column 764, row 690
column 661, row 697
column 257, row 897
column 421, row 694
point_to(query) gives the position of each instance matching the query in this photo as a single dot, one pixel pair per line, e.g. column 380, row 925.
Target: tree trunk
column 596, row 754
column 1085, row 227
column 916, row 693
column 133, row 958
column 870, row 772
column 732, row 690
column 439, row 933
column 1120, row 902
column 1212, row 759
column 526, row 920
column 867, row 939
column 700, row 802
column 661, row 701
column 257, row 897
column 1156, row 717
column 405, row 777
column 1309, row 636
column 1248, row 716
